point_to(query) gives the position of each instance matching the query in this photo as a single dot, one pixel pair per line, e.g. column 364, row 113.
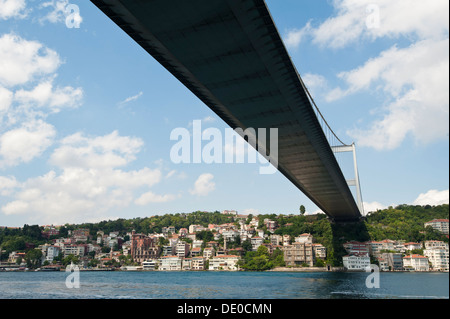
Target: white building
column 439, row 224
column 224, row 262
column 256, row 242
column 304, row 238
column 170, row 263
column 52, row 252
column 182, row 249
column 438, row 258
column 416, row 262
column 356, row 262
column 149, row 264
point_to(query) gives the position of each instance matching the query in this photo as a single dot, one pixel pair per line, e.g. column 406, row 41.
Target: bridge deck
column 230, row 55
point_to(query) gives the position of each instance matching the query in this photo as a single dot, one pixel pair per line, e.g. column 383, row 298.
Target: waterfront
column 222, row 285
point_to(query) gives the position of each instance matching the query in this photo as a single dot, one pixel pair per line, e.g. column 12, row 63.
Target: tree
column 302, row 209
column 33, row 258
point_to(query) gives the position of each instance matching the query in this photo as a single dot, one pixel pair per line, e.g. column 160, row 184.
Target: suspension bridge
column 230, row 54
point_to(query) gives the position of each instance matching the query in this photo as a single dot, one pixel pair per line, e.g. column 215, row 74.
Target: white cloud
column 6, row 97
column 416, row 79
column 60, row 11
column 151, row 197
column 7, row 185
column 294, row 37
column 44, row 95
column 21, row 60
column 373, row 207
column 203, row 185
column 352, row 22
column 87, row 185
column 25, row 143
column 109, row 151
column 12, row 9
column 131, row 98
column 433, row 198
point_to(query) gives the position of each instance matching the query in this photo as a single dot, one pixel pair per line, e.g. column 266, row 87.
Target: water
column 222, row 285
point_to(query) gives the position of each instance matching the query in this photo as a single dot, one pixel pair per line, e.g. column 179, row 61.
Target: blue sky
column 86, row 114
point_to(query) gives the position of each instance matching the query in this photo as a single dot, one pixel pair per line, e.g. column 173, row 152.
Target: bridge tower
column 352, row 182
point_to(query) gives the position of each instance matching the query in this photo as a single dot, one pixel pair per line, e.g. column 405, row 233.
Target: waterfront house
column 416, row 262
column 224, row 262
column 357, row 262
column 170, row 263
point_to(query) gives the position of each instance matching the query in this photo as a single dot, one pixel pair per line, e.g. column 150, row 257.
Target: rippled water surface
column 222, row 285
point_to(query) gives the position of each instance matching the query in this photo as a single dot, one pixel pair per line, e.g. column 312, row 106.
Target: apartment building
column 198, row 263
column 320, row 251
column 182, row 249
column 438, row 257
column 355, row 247
column 256, row 242
column 52, row 252
column 439, row 224
column 394, row 261
column 297, row 254
column 143, row 247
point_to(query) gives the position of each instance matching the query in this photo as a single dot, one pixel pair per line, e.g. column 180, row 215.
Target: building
column 356, row 262
column 430, row 244
column 170, row 263
column 416, row 262
column 224, row 262
column 383, row 264
column 80, row 235
column 182, row 249
column 208, row 253
column 286, row 240
column 149, row 264
column 440, row 225
column 276, row 240
column 304, row 238
column 394, row 261
column 198, row 263
column 229, row 212
column 438, row 257
column 256, row 242
column 355, row 247
column 143, row 247
column 298, row 254
column 413, row 246
column 52, row 252
column 76, row 250
column 320, row 251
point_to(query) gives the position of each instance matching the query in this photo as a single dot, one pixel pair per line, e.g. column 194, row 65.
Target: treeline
column 406, row 222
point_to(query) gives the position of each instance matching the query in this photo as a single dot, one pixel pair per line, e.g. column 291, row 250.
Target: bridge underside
column 230, row 55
